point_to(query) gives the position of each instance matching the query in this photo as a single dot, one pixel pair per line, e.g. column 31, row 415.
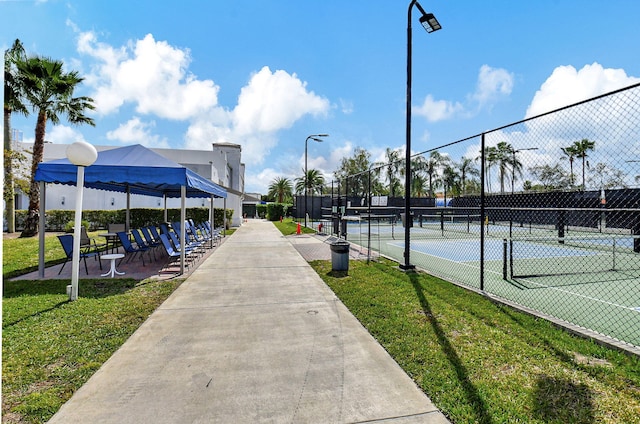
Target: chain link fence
column 543, row 213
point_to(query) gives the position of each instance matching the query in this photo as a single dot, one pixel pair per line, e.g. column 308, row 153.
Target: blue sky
column 266, row 74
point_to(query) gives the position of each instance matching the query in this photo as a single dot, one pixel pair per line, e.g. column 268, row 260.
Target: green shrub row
column 275, row 211
column 58, row 220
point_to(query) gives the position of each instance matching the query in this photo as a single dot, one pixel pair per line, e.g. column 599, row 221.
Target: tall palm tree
column 433, row 165
column 418, row 185
column 582, row 149
column 49, row 92
column 13, row 102
column 466, row 168
column 450, row 180
column 392, row 166
column 504, row 159
column 490, row 156
column 280, row 189
column 570, row 152
column 315, row 182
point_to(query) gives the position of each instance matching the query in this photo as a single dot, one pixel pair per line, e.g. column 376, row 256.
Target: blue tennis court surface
column 469, row 250
column 457, row 250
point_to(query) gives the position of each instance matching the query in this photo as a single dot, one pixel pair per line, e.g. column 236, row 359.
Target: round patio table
column 113, row 257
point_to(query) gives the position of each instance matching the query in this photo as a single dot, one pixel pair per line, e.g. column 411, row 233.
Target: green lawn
column 481, row 362
column 478, row 361
column 288, row 227
column 51, row 346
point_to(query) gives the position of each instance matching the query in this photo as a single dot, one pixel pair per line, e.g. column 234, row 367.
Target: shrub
column 68, row 227
column 275, row 211
column 262, row 211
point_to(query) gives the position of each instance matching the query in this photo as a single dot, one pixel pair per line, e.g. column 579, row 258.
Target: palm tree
column 450, row 181
column 490, row 158
column 392, row 166
column 13, row 102
column 466, row 168
column 570, row 152
column 418, row 185
column 582, row 148
column 433, row 164
column 280, row 189
column 315, row 184
column 49, row 92
column 504, row 158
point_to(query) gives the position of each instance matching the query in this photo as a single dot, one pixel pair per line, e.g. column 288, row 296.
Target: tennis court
column 597, row 276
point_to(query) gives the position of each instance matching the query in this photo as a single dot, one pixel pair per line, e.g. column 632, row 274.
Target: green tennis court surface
column 591, row 280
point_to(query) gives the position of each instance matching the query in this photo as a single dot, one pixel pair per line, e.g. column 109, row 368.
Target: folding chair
column 66, row 240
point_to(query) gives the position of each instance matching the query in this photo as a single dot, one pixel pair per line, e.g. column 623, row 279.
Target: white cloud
column 437, row 110
column 259, row 182
column 148, row 73
column 62, row 134
column 566, row 86
column 136, row 131
column 270, row 102
column 492, row 85
column 274, row 101
column 153, row 77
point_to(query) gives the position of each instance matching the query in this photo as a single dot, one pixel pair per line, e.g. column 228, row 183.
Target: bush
column 262, row 211
column 68, row 228
column 275, row 211
column 63, row 220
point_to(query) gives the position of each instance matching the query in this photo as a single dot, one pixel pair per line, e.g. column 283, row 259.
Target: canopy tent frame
column 133, row 170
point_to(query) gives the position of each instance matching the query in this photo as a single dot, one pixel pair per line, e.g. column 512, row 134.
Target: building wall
column 222, row 165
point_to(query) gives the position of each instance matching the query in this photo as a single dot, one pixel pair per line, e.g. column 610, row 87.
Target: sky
column 266, row 74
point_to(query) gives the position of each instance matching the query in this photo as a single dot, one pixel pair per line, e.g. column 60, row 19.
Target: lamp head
column 82, row 153
column 429, row 22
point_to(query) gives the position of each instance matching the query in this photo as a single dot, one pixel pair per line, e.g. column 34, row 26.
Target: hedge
column 56, row 220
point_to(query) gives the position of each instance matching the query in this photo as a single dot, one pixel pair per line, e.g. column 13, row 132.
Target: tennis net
column 565, row 256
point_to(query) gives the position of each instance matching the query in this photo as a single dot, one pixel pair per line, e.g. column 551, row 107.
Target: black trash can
column 340, row 255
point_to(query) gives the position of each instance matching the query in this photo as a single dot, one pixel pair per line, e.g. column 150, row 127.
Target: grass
column 20, row 255
column 481, row 362
column 288, row 227
column 51, row 346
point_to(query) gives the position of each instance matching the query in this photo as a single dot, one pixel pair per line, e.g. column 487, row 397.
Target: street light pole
column 81, row 154
column 314, row 137
column 513, row 167
column 430, row 24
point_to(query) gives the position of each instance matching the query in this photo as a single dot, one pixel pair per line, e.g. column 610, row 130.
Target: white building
column 222, row 165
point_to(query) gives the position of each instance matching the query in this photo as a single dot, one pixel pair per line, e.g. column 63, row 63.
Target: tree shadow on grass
column 562, row 401
column 471, row 392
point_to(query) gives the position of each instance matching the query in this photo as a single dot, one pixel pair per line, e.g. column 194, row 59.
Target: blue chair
column 154, row 232
column 129, row 248
column 164, row 228
column 66, row 240
column 142, row 244
column 176, row 243
column 174, row 256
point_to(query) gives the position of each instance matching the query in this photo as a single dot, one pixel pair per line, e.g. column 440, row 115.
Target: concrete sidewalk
column 252, row 336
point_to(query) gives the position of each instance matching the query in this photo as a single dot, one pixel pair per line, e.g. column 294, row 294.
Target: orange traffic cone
column 298, row 230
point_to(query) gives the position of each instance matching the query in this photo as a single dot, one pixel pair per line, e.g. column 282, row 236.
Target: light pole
column 430, row 24
column 314, row 137
column 513, row 168
column 80, row 154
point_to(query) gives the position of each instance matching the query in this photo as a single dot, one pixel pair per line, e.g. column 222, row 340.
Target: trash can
column 340, row 255
column 404, row 219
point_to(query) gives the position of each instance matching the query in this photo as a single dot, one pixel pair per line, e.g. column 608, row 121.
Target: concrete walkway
column 252, row 336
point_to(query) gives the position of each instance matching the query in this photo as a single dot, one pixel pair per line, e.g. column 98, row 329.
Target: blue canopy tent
column 131, row 169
